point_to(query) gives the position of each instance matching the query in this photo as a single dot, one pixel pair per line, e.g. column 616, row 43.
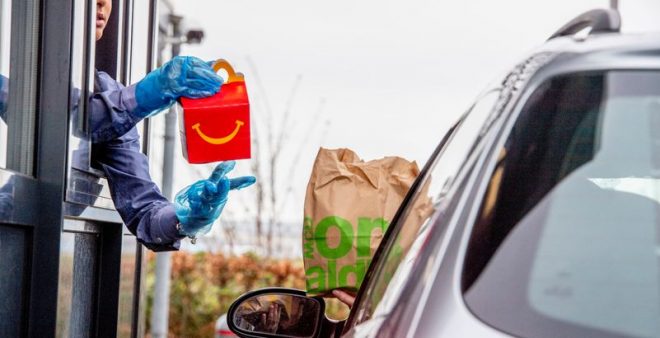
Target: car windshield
column 567, row 242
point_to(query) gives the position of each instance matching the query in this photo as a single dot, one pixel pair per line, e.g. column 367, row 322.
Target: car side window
column 417, row 220
column 566, row 240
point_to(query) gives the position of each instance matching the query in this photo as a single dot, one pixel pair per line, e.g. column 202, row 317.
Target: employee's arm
column 144, row 210
column 4, row 95
column 117, row 109
column 111, row 109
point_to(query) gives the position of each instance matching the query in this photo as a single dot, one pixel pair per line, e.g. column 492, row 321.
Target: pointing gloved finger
column 241, row 182
column 221, row 170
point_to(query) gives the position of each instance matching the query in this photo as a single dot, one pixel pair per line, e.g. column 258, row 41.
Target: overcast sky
column 391, row 76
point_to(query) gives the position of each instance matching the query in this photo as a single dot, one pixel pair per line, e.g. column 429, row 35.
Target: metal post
column 160, row 311
column 161, row 305
column 614, row 4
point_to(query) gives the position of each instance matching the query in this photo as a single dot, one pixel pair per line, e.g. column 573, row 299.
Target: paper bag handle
column 233, row 76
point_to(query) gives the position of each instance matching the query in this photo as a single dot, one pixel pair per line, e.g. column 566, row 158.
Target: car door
column 412, row 236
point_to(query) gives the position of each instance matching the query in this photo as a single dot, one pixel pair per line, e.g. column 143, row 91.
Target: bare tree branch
column 279, row 145
column 296, row 159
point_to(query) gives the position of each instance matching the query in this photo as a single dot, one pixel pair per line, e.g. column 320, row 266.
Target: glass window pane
column 140, row 57
column 77, row 281
column 567, row 242
column 141, row 31
column 12, row 278
column 79, row 142
column 84, row 186
column 18, row 82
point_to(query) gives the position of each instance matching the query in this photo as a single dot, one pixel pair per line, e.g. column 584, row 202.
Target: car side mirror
column 276, row 312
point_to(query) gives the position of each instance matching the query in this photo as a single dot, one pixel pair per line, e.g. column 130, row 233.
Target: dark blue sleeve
column 7, row 199
column 111, row 108
column 144, row 210
column 4, row 94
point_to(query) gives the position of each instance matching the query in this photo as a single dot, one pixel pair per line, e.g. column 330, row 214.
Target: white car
column 547, row 211
column 222, row 329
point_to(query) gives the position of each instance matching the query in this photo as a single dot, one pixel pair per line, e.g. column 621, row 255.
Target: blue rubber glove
column 182, row 76
column 200, row 204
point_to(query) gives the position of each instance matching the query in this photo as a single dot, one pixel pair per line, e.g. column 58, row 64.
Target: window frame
column 39, row 195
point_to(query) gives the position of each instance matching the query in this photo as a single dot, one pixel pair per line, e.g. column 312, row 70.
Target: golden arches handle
column 233, row 76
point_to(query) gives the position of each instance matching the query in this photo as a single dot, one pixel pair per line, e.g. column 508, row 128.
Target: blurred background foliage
column 205, row 284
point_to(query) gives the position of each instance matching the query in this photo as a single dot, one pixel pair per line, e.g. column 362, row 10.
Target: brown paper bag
column 348, row 205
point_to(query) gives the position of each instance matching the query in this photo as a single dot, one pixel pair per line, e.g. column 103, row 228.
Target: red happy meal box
column 217, row 128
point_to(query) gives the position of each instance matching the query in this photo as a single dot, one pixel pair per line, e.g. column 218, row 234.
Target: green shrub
column 204, row 285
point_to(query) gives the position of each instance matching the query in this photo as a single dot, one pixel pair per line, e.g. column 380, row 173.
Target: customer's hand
column 344, row 297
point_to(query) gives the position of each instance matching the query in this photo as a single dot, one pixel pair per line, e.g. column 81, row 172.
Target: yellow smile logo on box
column 220, row 140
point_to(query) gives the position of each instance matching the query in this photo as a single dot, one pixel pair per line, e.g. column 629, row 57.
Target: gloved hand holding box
column 217, row 128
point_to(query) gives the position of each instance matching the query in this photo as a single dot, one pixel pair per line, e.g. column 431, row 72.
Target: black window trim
column 395, row 228
column 460, row 197
column 512, row 89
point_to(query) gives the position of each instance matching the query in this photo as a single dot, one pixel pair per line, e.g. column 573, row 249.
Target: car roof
column 603, row 51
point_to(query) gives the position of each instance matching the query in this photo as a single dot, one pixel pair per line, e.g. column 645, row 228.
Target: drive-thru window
column 68, row 266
